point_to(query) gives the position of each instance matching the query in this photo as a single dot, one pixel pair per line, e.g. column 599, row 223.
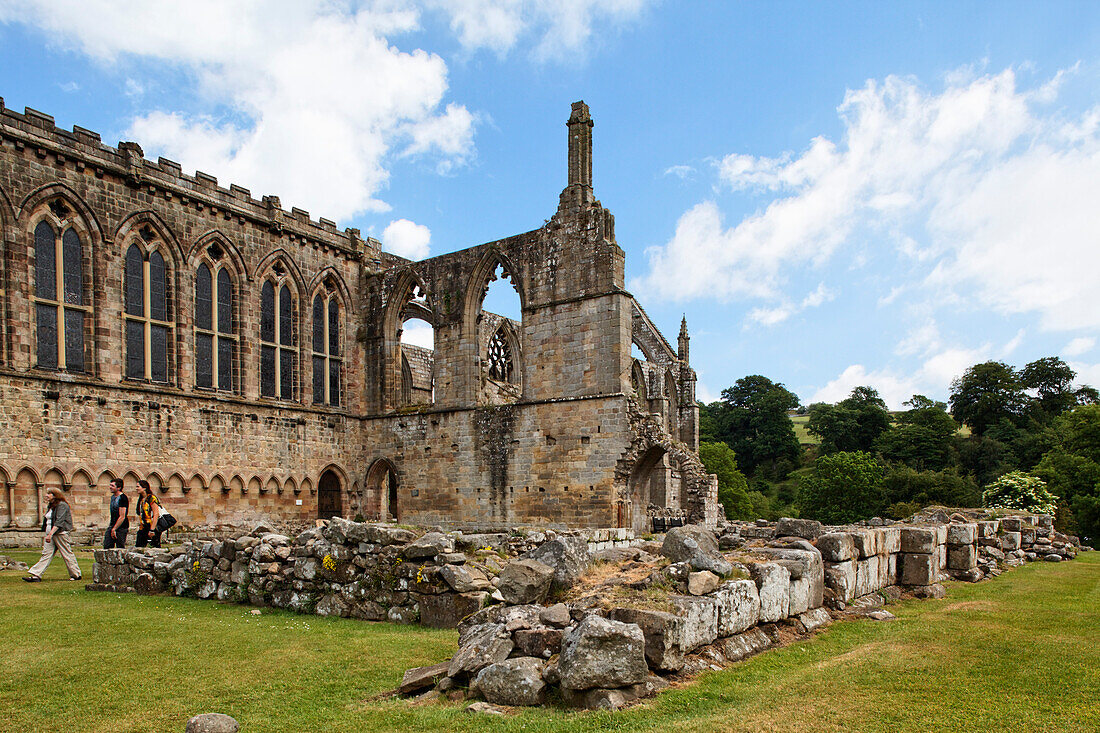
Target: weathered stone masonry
column 545, row 420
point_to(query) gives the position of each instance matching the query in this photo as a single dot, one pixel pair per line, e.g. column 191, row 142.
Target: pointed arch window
column 278, row 341
column 148, row 329
column 327, row 362
column 60, row 306
column 500, row 358
column 215, row 328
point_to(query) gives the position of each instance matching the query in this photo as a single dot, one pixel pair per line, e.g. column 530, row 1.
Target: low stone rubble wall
column 540, row 616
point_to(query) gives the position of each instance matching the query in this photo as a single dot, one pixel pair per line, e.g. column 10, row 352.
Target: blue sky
column 833, row 194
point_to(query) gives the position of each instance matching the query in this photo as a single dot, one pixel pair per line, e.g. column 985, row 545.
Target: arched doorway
column 381, row 484
column 647, row 486
column 329, row 503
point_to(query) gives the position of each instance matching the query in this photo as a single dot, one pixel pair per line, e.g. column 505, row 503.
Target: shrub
column 844, row 487
column 1022, row 492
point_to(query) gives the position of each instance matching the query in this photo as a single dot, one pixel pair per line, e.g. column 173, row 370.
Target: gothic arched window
column 215, row 332
column 499, row 357
column 148, row 330
column 278, row 341
column 326, row 350
column 60, row 308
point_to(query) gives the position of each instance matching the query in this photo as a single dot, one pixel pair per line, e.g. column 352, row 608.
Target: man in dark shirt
column 120, row 519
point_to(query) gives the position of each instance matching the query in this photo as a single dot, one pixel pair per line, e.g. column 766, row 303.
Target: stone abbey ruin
column 248, row 361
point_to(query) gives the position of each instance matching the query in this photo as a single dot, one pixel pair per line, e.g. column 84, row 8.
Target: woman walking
column 58, row 523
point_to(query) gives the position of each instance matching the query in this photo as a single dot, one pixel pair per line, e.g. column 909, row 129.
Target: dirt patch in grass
column 971, row 606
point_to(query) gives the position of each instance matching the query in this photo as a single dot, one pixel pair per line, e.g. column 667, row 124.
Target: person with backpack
column 154, row 518
column 57, row 524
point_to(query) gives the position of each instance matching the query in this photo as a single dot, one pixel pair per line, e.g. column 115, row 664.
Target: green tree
column 1071, row 469
column 985, row 395
column 844, row 487
column 853, row 424
column 1052, row 381
column 752, row 419
column 922, row 437
column 733, row 488
column 903, row 485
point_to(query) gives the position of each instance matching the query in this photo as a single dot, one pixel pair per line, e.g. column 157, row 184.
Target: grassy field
column 1018, row 653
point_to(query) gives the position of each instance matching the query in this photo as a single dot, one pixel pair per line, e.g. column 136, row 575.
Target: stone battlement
column 85, row 150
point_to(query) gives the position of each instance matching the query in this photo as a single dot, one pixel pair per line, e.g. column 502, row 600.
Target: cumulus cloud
column 683, row 172
column 407, row 239
column 987, row 186
column 1079, row 345
column 771, row 316
column 302, row 98
column 557, row 28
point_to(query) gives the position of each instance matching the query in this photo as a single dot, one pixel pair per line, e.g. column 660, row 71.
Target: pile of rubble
column 543, row 617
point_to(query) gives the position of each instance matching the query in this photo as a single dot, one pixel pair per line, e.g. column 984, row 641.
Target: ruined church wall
column 539, row 464
column 225, row 462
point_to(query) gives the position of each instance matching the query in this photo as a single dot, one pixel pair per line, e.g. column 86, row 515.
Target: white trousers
column 59, row 543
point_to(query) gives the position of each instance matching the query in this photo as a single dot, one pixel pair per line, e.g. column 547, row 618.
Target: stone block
column 865, row 544
column 920, row 540
column 891, row 540
column 663, row 636
column 962, row 534
column 699, row 621
column 962, row 557
column 841, row 578
column 600, row 653
column 805, row 528
column 541, row 642
column 988, row 529
column 773, row 586
column 917, row 569
column 868, row 575
column 799, row 596
column 446, row 610
column 1012, row 524
column 836, row 547
column 744, row 645
column 738, row 607
column 513, row 682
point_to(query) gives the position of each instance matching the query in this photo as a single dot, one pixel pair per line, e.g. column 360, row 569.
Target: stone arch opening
column 382, row 498
column 647, row 486
column 498, row 325
column 329, row 499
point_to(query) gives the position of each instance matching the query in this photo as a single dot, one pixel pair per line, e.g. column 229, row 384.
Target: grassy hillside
column 1017, row 653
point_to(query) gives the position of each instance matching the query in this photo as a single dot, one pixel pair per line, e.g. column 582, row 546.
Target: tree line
column 1014, row 438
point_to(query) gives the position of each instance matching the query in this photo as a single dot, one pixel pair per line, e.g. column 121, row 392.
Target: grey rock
column 699, row 621
column 806, row 528
column 212, row 723
column 702, row 583
column 738, row 607
column 962, row 534
column 515, row 681
column 421, row 678
column 525, row 581
column 484, row 645
column 612, row 699
column 556, row 615
column 1052, row 558
column 602, row 653
column 512, row 618
column 428, row 546
column 464, row 579
column 836, row 546
column 568, row 556
column 773, row 584
column 446, row 610
column 814, row 619
column 541, row 642
column 663, row 634
column 484, row 708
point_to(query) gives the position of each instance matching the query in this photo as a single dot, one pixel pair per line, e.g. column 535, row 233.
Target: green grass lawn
column 1017, row 653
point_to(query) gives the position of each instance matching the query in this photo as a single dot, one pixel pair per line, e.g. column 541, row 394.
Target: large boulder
column 212, row 723
column 836, row 546
column 568, row 556
column 463, row 579
column 428, row 546
column 663, row 634
column 445, row 610
column 602, row 653
column 525, row 581
column 483, row 645
column 515, row 681
column 696, row 546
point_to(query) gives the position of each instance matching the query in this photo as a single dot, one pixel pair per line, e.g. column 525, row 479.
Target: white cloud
column 921, row 340
column 680, row 171
column 1013, row 343
column 556, row 28
column 407, row 239
column 933, row 377
column 1086, row 373
column 819, row 296
column 777, row 314
column 69, row 87
column 704, row 394
column 1079, row 345
column 311, row 97
column 987, row 186
column 418, row 333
